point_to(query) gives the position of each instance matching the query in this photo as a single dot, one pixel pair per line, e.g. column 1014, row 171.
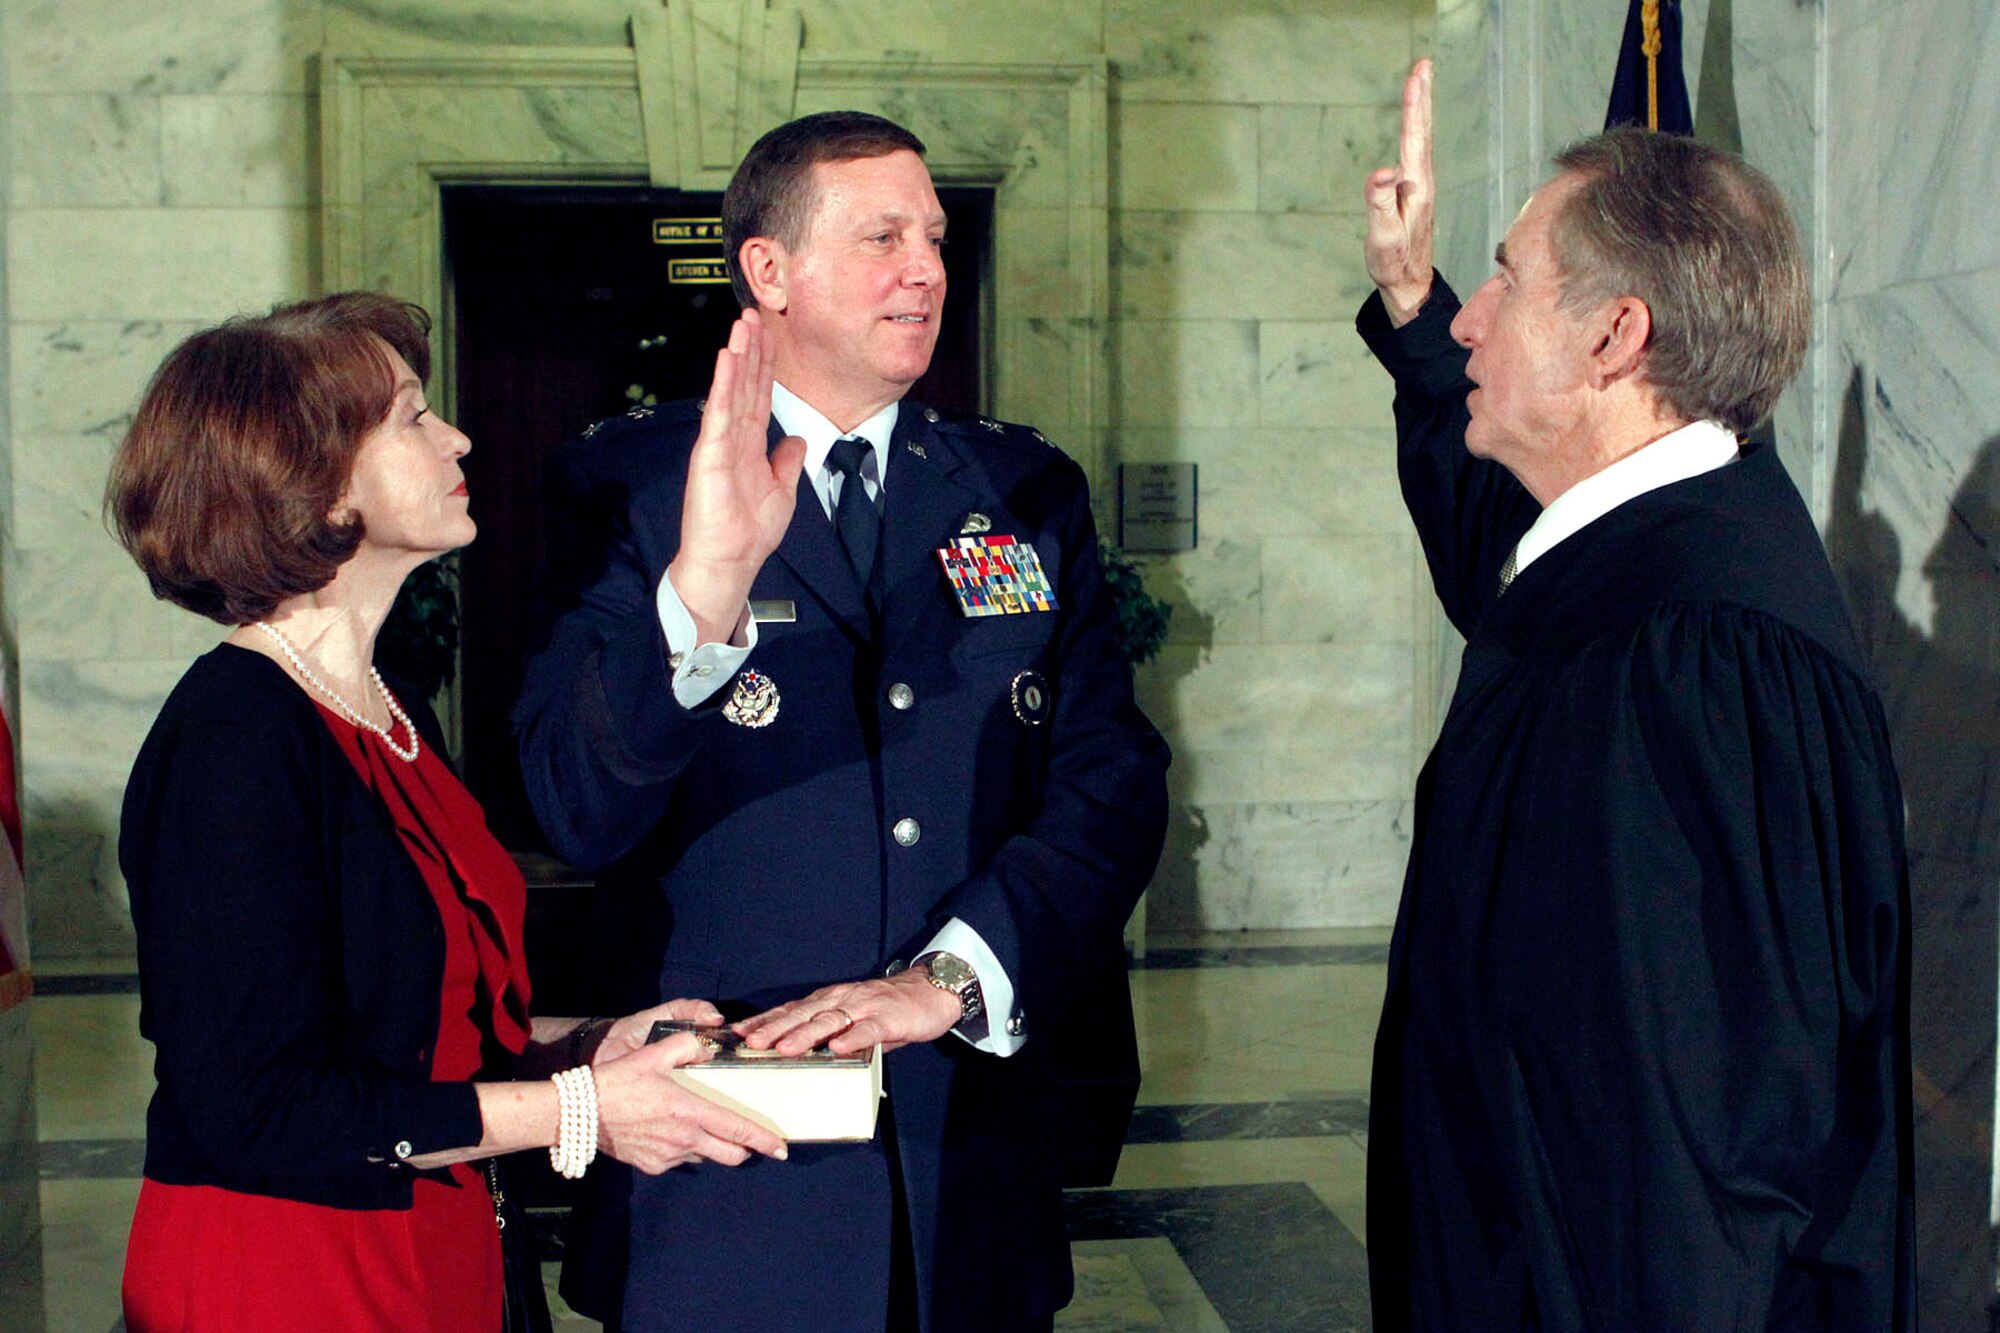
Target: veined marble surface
column 178, row 151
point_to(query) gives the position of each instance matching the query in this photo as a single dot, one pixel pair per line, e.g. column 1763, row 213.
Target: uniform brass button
column 404, row 1149
column 901, row 696
column 907, row 831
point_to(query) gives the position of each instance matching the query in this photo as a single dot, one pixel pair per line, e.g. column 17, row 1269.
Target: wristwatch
column 949, row 972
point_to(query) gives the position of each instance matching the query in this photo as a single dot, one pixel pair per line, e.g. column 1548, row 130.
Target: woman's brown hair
column 224, row 488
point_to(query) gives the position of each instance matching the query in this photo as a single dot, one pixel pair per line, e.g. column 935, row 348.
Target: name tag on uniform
column 996, row 576
column 773, row 610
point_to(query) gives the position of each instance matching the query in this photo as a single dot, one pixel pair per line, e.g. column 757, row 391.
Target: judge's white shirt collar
column 798, row 417
column 1698, row 447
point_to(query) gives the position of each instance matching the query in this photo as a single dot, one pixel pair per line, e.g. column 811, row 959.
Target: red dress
column 206, row 1258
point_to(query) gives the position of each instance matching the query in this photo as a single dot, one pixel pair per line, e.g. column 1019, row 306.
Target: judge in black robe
column 1644, row 1058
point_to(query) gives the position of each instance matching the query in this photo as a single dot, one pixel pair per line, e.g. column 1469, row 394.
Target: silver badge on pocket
column 1030, row 694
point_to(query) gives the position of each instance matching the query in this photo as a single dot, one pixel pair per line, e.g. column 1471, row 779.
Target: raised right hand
column 1402, row 202
column 739, row 493
column 648, row 1121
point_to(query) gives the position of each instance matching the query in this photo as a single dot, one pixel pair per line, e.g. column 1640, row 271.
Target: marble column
column 20, row 1201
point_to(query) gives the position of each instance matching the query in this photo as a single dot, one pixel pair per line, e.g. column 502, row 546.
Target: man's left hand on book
column 852, row 1016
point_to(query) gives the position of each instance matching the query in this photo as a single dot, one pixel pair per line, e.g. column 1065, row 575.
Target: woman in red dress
column 329, row 938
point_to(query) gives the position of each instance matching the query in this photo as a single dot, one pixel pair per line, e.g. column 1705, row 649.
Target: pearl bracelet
column 576, row 1136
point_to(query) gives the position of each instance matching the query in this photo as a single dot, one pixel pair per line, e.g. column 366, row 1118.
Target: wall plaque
column 687, row 231
column 1156, row 506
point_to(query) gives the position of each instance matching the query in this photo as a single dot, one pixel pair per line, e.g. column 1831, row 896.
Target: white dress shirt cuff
column 700, row 669
column 996, row 988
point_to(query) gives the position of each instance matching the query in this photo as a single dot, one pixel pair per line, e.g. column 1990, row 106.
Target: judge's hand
column 739, row 492
column 1401, row 209
column 890, row 1012
column 648, row 1121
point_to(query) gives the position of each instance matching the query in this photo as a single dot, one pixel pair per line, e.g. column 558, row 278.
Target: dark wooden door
column 562, row 303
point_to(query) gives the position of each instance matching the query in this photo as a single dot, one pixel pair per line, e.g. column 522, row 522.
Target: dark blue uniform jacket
column 773, row 848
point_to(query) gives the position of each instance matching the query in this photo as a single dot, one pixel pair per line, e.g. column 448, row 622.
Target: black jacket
column 290, row 955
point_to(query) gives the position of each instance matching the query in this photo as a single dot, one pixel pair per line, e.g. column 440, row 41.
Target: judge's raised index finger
column 1417, row 133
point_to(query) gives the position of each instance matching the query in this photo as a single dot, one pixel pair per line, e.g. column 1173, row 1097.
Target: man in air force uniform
column 911, row 788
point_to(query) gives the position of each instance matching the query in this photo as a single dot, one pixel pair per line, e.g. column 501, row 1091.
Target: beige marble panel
column 1012, row 32
column 227, row 150
column 1246, row 696
column 1288, row 266
column 471, row 124
column 113, row 46
column 170, row 264
column 1200, row 778
column 1285, row 482
column 1184, row 157
column 1319, row 374
column 1856, row 134
column 81, row 723
column 1036, row 386
column 59, row 489
column 407, row 28
column 93, row 149
column 102, row 1096
column 1260, row 51
column 1313, row 159
column 1031, row 247
column 1309, row 863
column 1339, row 589
column 82, row 599
column 84, row 377
column 968, row 126
column 1215, row 590
column 1184, row 373
column 1376, row 766
column 1940, row 90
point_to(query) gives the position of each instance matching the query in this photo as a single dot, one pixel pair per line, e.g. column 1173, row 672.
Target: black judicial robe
column 1644, row 1058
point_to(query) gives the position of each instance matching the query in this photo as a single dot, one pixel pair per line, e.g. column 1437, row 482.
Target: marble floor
column 1237, row 1204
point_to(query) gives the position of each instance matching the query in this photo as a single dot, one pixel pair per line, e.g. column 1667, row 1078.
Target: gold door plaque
column 687, row 231
column 703, row 272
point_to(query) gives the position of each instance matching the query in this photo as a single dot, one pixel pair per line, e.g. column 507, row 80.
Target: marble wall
column 1241, row 133
column 166, row 172
column 20, row 1201
column 1873, row 117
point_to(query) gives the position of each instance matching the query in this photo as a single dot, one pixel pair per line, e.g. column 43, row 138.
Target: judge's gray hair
column 1705, row 240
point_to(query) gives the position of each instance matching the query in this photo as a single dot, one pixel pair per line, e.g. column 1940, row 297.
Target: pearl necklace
column 346, row 709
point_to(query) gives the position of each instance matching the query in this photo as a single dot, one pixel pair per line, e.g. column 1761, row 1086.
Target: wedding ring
column 837, row 1010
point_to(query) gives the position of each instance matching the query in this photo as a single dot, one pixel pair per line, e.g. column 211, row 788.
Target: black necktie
column 854, row 516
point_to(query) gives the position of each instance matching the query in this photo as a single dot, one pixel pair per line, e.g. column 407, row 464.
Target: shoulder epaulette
column 662, row 414
column 987, row 429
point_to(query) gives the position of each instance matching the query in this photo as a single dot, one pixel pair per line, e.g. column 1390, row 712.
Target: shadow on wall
column 1175, row 894
column 1942, row 691
column 76, row 901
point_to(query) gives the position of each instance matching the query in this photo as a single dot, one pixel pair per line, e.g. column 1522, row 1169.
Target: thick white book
column 818, row 1097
